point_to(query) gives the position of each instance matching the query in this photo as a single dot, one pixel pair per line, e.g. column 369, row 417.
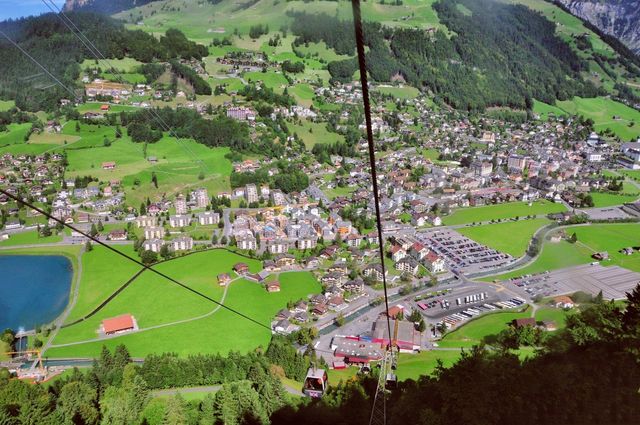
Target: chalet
column 331, row 278
column 353, row 240
column 118, row 325
column 372, row 238
column 273, row 286
column 312, row 262
column 354, row 286
column 270, row 266
column 283, row 314
column 340, row 268
column 241, row 268
column 284, row 327
column 523, row 322
column 563, row 301
column 285, row 260
column 603, row 255
column 110, row 165
column 549, row 325
column 319, row 310
column 224, row 279
column 336, row 303
column 301, row 306
column 118, row 235
column 318, row 299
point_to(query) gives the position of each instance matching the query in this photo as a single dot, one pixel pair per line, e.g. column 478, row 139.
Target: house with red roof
column 117, row 325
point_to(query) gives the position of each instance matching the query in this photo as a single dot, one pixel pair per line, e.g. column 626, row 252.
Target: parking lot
column 613, row 281
column 477, row 307
column 463, row 255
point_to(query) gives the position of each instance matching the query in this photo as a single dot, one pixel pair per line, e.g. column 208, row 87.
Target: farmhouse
column 273, row 286
column 521, row 323
column 241, row 268
column 224, row 279
column 110, row 165
column 563, row 301
column 118, row 325
column 118, row 235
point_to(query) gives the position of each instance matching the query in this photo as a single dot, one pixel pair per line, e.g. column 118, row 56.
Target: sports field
column 173, row 319
column 495, row 235
column 501, row 211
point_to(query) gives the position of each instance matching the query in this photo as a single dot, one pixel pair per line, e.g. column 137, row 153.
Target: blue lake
column 34, row 289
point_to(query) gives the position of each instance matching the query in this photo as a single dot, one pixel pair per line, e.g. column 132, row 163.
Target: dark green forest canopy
column 51, row 43
column 500, row 55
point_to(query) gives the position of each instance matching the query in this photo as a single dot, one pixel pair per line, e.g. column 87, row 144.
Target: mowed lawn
column 474, row 331
column 155, row 302
column 511, row 237
column 103, row 271
column 593, row 238
column 29, row 238
column 501, row 211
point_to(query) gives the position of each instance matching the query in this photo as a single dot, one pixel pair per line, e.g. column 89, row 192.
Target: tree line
column 489, row 58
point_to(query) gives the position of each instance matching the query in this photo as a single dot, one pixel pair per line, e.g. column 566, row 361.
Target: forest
column 54, row 46
column 500, row 55
column 596, row 356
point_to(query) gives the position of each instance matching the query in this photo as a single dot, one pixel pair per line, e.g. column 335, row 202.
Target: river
column 34, row 289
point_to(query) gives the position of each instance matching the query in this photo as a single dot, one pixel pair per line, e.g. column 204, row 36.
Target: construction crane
column 37, row 363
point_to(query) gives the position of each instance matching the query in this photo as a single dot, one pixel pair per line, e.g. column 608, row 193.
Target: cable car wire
column 357, row 22
column 73, row 94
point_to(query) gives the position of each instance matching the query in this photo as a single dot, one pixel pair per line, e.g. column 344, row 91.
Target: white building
column 179, row 220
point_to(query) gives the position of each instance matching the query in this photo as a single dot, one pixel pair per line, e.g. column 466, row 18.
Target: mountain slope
column 103, row 6
column 619, row 18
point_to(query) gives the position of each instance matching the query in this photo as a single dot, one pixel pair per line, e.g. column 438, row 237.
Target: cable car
column 365, row 369
column 315, row 384
column 391, row 381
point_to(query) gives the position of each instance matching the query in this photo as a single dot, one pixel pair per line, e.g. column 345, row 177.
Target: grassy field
column 216, row 332
column 312, row 133
column 544, row 110
column 520, row 233
column 602, row 111
column 598, row 237
column 15, row 134
column 405, row 92
column 29, row 238
column 501, row 211
column 5, row 105
column 198, row 20
column 103, row 272
column 272, row 80
column 122, row 65
column 474, row 331
column 608, row 199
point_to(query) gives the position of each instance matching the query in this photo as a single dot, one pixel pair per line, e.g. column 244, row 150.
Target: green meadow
column 492, row 235
column 501, row 211
column 157, row 304
column 591, row 239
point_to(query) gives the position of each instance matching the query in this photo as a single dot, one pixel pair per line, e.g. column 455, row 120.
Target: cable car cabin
column 315, row 383
column 391, row 382
column 365, row 369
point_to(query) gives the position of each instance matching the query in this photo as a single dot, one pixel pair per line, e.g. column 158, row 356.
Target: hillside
column 103, row 6
column 618, row 18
